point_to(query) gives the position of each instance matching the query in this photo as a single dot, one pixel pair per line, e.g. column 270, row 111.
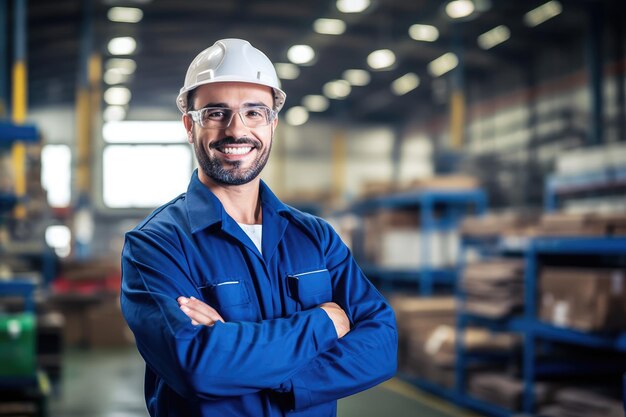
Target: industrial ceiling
column 172, row 32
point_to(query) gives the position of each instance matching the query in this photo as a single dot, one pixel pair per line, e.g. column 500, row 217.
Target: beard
column 231, row 172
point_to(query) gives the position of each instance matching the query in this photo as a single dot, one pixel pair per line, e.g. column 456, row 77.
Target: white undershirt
column 254, row 232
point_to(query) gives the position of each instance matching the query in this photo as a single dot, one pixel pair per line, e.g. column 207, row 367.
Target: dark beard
column 231, row 173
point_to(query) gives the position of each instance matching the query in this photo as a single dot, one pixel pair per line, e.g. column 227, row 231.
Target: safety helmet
column 231, row 60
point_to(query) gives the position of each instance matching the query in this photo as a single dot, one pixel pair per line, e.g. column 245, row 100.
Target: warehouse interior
column 470, row 153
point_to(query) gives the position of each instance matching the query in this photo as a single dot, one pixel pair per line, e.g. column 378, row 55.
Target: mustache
column 235, row 141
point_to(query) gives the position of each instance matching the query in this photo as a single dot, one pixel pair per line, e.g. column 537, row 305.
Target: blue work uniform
column 277, row 353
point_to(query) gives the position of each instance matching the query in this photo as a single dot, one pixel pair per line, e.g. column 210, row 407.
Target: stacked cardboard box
column 498, row 224
column 577, row 402
column 506, row 390
column 587, row 299
column 582, row 224
column 493, row 288
column 417, row 319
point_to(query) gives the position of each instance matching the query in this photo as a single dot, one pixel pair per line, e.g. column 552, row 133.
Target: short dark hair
column 191, row 96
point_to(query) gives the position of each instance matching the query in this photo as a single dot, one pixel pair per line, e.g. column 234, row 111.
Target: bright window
column 56, row 168
column 145, row 175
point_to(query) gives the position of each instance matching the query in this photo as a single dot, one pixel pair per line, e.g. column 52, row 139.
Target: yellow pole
column 19, row 149
column 457, row 119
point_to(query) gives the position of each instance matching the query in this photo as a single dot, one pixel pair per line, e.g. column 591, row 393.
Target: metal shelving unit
column 558, row 187
column 450, row 204
column 533, row 329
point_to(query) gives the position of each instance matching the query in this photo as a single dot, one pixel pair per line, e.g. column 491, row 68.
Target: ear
column 188, row 123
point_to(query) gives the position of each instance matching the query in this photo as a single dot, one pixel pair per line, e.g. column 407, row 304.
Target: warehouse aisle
column 109, row 383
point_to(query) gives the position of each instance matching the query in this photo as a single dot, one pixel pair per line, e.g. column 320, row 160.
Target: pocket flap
column 226, row 293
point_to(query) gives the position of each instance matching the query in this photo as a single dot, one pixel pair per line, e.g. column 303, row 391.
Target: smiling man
column 240, row 304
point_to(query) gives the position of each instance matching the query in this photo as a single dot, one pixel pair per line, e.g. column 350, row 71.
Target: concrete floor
column 109, row 383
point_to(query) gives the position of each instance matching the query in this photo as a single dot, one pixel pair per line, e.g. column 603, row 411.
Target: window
column 56, row 168
column 145, row 164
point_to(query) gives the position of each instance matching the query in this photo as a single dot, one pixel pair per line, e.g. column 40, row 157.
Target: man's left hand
column 199, row 312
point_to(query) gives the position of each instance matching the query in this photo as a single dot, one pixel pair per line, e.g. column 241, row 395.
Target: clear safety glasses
column 222, row 117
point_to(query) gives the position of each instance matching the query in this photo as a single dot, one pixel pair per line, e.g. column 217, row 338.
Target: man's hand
column 199, row 312
column 339, row 318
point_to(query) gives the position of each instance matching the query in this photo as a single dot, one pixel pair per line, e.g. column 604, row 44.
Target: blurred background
column 471, row 153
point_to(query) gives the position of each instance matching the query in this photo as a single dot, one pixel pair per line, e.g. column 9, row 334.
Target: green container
column 17, row 345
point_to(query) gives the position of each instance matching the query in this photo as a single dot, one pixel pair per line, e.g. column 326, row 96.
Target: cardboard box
column 588, row 299
column 402, row 248
column 106, row 326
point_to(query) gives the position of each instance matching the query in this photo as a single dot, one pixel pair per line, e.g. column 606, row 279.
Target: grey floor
column 109, row 383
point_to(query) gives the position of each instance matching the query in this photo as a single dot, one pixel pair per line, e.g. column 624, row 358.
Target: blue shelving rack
column 453, row 205
column 558, row 186
column 531, row 327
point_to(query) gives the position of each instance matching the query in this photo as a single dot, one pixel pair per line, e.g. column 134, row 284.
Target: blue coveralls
column 276, row 354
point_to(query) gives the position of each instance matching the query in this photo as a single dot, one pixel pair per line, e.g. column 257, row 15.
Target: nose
column 236, row 126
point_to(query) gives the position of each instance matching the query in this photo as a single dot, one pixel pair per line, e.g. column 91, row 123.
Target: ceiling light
column 337, row 89
column 405, row 84
column 124, row 65
column 424, row 33
column 542, row 13
column 458, row 9
column 125, row 14
column 381, row 59
column 122, row 46
column 301, row 54
column 352, row 6
column 443, row 64
column 329, row 26
column 287, row 71
column 297, row 116
column 494, row 37
column 114, row 76
column 114, row 113
column 357, row 77
column 117, row 96
column 315, row 103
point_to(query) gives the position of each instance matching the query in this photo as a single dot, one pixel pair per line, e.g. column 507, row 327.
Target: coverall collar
column 205, row 209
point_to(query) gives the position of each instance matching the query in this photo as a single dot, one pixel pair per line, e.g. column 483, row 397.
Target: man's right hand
column 339, row 318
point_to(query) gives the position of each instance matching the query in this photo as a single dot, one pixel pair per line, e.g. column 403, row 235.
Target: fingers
column 338, row 317
column 199, row 312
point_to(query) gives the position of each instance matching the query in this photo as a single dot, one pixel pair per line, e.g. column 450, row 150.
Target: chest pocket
column 230, row 299
column 310, row 289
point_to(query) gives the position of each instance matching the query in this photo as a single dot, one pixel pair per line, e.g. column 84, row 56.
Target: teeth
column 237, row 151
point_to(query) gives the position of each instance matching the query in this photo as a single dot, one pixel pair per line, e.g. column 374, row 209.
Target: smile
column 236, row 150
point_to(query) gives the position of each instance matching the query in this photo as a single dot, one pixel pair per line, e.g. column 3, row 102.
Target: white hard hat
column 231, row 60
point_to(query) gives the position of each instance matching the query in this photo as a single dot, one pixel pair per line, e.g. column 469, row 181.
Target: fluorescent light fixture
column 329, row 26
column 459, row 9
column 287, row 71
column 117, row 96
column 144, row 132
column 56, row 174
column 494, row 37
column 297, row 116
column 443, row 64
column 301, row 54
column 405, row 84
column 381, row 59
column 124, row 45
column 542, row 13
column 124, row 65
column 316, row 103
column 114, row 76
column 337, row 89
column 114, row 113
column 424, row 33
column 125, row 14
column 352, row 6
column 357, row 77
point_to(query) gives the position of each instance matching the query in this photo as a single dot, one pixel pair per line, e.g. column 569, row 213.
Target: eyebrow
column 224, row 105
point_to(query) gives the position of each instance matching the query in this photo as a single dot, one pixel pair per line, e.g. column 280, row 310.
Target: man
column 240, row 304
